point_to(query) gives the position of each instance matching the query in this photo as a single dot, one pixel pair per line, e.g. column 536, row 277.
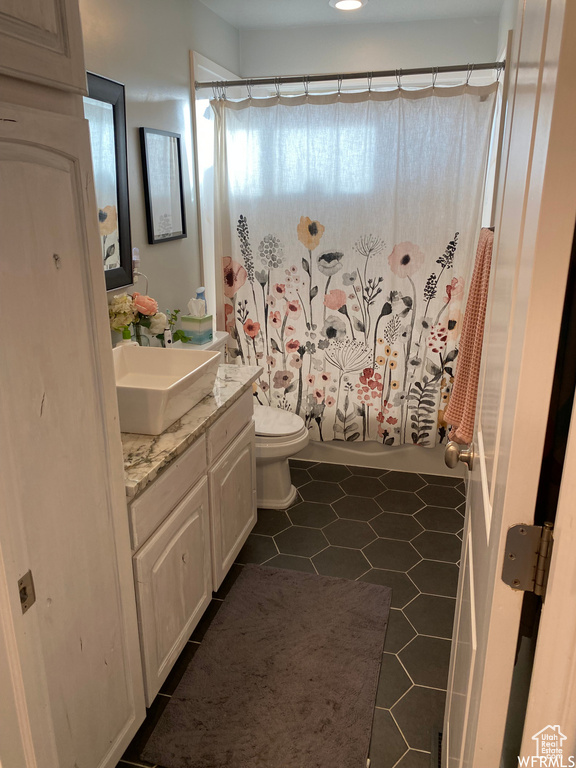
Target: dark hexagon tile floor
column 394, row 526
column 397, row 529
column 438, row 546
column 342, row 562
column 403, row 502
column 311, row 514
column 329, row 472
column 403, row 481
column 391, row 554
column 322, row 491
column 356, row 508
column 349, row 533
column 402, row 586
column 302, row 541
column 300, row 477
column 271, row 522
column 440, row 519
column 441, row 496
column 357, row 485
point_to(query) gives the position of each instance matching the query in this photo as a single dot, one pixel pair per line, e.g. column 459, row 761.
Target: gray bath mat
column 285, row 677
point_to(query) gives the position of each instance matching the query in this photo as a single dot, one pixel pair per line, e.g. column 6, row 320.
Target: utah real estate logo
column 549, row 751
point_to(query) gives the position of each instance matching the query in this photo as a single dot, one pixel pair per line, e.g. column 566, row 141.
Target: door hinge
column 27, row 592
column 527, row 557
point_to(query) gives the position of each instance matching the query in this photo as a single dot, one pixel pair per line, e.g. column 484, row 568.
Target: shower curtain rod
column 398, row 73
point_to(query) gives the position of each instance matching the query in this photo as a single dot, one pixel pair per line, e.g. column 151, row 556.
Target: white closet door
column 41, row 41
column 74, row 654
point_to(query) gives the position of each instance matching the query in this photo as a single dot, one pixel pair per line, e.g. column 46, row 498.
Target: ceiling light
column 347, row 5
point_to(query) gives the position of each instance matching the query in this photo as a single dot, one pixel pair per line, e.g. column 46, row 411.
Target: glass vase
column 141, row 338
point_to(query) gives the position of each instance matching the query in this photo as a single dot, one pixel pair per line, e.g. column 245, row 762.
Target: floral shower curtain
column 349, row 224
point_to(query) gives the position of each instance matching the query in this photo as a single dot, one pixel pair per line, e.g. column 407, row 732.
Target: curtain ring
column 469, row 75
column 214, row 91
column 224, row 89
column 370, row 75
column 399, row 78
column 249, row 88
column 277, row 86
column 499, row 72
column 339, row 84
column 434, row 76
column 306, row 82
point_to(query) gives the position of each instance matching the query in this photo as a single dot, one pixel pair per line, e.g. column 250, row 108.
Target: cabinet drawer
column 229, row 425
column 173, row 585
column 150, row 509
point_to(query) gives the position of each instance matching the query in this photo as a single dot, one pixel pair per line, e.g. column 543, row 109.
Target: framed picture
column 162, row 164
column 104, row 108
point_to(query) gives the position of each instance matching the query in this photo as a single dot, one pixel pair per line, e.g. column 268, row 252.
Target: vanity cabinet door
column 41, row 41
column 173, row 585
column 233, row 501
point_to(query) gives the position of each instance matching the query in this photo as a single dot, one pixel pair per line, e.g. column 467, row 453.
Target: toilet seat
column 276, row 423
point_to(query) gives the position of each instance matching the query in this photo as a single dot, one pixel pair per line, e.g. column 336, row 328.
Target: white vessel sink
column 157, row 386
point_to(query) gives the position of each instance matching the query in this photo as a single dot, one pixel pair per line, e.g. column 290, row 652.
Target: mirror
column 162, row 165
column 104, row 108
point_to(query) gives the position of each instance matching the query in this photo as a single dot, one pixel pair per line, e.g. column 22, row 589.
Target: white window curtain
column 347, row 224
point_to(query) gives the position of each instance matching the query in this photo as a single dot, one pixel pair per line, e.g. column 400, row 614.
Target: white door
column 534, row 231
column 74, row 666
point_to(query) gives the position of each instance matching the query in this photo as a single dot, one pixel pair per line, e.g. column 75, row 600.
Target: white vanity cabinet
column 173, row 585
column 187, row 527
column 233, row 501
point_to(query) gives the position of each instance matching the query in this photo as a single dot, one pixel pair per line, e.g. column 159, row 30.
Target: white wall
column 507, row 21
column 145, row 44
column 366, row 47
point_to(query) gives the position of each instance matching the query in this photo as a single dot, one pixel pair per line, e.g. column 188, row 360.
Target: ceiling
column 267, row 14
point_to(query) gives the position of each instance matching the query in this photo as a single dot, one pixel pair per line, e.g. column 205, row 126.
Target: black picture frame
column 160, row 226
column 111, row 92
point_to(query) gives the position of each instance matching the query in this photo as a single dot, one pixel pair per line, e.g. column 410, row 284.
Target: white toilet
column 279, row 435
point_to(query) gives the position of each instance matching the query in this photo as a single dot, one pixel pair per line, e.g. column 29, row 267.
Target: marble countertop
column 146, row 455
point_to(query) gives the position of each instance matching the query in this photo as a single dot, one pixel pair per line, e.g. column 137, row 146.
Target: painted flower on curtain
column 360, row 344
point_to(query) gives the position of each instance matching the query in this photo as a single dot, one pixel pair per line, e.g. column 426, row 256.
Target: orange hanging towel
column 461, row 410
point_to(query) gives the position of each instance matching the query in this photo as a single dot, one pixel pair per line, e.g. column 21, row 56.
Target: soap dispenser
column 201, row 295
column 126, row 339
